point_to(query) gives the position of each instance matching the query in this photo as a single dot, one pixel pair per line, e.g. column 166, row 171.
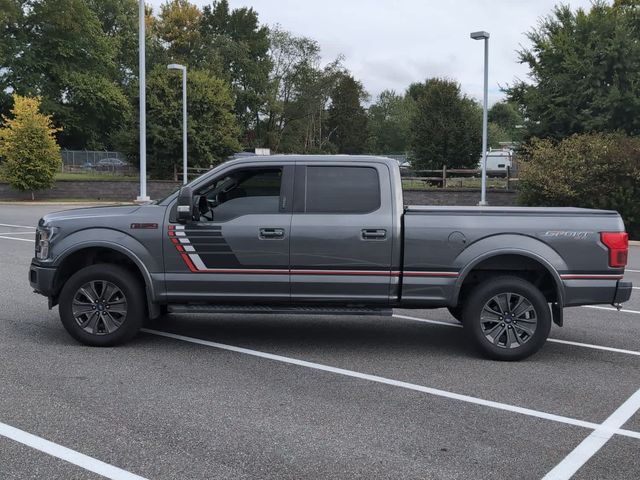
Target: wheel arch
column 512, row 261
column 90, row 253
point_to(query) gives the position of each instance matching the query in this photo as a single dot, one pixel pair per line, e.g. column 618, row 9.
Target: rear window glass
column 342, row 190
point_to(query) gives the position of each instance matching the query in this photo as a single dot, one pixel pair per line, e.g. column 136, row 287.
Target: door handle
column 374, row 234
column 271, row 233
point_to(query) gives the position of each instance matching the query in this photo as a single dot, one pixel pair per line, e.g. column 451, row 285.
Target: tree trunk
column 33, row 196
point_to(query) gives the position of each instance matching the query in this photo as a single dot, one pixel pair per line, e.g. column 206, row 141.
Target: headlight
column 43, row 241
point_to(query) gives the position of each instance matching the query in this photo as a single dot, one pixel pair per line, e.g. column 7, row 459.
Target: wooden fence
column 444, row 176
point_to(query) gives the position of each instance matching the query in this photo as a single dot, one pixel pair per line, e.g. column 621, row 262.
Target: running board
column 282, row 310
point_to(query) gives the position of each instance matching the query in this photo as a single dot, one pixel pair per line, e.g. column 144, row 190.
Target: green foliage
column 71, row 62
column 212, row 127
column 235, row 40
column 446, row 125
column 28, row 148
column 347, row 122
column 507, row 122
column 594, row 170
column 585, row 68
column 389, row 120
column 298, row 94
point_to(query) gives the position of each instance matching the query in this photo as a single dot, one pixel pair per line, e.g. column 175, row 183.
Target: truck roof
column 328, row 158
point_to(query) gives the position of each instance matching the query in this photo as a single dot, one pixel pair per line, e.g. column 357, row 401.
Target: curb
column 634, row 243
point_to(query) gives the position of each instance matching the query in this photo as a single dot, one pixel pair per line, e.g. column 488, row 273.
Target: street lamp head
column 482, row 35
column 176, row 66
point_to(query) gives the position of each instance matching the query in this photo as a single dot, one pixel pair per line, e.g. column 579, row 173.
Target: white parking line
column 594, row 442
column 16, row 233
column 553, row 340
column 64, row 453
column 387, row 381
column 18, row 239
column 611, row 309
column 17, row 226
column 629, row 270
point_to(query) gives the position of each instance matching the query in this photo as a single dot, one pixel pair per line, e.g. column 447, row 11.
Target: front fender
column 114, row 240
column 510, row 244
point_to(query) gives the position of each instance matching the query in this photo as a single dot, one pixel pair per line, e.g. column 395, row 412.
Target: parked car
column 111, row 165
column 326, row 235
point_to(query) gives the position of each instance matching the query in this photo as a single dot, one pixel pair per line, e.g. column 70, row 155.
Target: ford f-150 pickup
column 326, row 235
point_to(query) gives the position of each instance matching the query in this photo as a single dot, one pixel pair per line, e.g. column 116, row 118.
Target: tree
column 507, row 120
column 299, row 91
column 446, row 125
column 67, row 59
column 28, row 146
column 178, row 27
column 237, row 46
column 212, row 127
column 389, row 120
column 347, row 122
column 585, row 71
column 10, row 32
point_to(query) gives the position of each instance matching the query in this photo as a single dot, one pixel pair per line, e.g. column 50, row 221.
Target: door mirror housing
column 184, row 210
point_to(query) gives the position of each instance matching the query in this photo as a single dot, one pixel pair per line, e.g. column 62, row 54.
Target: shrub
column 590, row 170
column 28, row 148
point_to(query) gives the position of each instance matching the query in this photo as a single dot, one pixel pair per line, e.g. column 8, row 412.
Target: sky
column 390, row 44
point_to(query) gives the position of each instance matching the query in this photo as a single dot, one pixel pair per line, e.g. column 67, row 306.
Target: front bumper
column 42, row 279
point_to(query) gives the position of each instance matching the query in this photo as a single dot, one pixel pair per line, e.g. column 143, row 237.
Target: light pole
column 484, row 36
column 143, row 106
column 175, row 66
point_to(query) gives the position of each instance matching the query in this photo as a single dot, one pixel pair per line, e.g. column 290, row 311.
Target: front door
column 238, row 247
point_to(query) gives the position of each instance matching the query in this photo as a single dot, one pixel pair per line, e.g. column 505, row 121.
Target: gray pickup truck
column 326, row 235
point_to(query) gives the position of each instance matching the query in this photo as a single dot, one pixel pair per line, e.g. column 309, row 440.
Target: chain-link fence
column 95, row 161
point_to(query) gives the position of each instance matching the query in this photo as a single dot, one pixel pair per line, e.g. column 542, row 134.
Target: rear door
column 341, row 233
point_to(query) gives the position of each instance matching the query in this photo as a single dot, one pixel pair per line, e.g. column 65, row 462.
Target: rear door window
column 335, row 189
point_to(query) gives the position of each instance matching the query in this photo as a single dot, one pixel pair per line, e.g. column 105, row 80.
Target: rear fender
column 495, row 245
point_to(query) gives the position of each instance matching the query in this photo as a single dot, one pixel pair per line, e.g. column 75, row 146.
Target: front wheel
column 102, row 305
column 507, row 318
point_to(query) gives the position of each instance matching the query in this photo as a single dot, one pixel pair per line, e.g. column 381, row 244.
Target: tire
column 95, row 320
column 520, row 322
column 456, row 312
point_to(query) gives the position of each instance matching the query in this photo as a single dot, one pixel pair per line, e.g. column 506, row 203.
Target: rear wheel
column 507, row 318
column 102, row 305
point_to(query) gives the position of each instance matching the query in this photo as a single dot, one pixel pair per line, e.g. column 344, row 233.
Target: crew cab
column 326, row 235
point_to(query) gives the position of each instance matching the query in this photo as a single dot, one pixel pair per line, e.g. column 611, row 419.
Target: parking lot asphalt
column 234, row 396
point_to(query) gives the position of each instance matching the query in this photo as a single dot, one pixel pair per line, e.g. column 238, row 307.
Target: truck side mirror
column 184, row 211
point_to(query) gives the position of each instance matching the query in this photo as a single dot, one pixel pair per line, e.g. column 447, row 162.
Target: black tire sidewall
column 124, row 280
column 475, row 303
column 456, row 312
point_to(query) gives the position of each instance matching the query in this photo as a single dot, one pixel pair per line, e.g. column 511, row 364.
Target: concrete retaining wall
column 92, row 190
column 126, row 191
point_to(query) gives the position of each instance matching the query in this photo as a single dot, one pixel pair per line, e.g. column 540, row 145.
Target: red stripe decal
column 429, row 274
column 590, row 277
column 189, row 263
column 172, row 227
column 172, row 234
column 175, row 240
column 180, row 248
column 246, row 271
column 377, row 273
